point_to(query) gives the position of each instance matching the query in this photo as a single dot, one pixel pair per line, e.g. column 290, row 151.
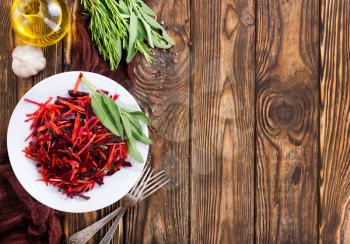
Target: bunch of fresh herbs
column 119, row 121
column 117, row 25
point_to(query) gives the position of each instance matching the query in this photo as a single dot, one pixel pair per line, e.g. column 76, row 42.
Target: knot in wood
column 283, row 112
column 247, row 18
column 286, row 111
column 296, row 175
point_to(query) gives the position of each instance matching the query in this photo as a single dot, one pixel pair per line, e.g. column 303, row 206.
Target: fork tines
column 156, row 182
column 149, row 183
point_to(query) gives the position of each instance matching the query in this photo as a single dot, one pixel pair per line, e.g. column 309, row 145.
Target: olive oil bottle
column 40, row 22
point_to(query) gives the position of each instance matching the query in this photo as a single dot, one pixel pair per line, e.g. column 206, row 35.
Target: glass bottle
column 40, row 22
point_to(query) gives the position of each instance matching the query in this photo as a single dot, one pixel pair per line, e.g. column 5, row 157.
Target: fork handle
column 108, row 237
column 84, row 235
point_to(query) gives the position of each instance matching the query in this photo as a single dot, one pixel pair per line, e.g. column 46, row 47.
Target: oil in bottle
column 40, row 22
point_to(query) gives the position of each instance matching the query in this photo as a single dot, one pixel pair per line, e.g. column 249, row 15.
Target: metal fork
column 146, row 185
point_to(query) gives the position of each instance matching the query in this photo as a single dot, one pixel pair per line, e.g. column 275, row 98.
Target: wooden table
column 250, row 119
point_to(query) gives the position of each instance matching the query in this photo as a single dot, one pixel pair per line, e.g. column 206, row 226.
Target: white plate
column 114, row 187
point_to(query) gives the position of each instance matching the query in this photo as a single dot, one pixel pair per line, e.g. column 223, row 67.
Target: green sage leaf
column 114, row 112
column 133, row 30
column 167, row 38
column 148, row 31
column 141, row 31
column 131, row 54
column 141, row 116
column 136, row 128
column 151, row 21
column 132, row 150
column 146, row 9
column 160, row 44
column 135, row 123
column 140, row 136
column 131, row 141
column 102, row 113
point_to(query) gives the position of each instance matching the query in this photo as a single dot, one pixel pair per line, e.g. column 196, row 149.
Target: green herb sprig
column 117, row 25
column 142, row 28
column 106, row 34
column 119, row 121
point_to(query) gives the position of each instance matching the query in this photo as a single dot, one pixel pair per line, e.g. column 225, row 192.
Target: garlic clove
column 27, row 61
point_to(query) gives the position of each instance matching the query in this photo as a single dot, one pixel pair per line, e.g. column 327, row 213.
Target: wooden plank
column 8, row 81
column 287, row 121
column 222, row 138
column 335, row 126
column 162, row 88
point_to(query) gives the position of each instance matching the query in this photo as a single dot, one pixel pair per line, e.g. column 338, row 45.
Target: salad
column 78, row 140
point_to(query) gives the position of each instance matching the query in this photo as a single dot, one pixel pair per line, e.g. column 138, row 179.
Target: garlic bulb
column 27, row 61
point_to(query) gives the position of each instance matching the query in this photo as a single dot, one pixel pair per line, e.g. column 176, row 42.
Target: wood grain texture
column 287, row 121
column 8, row 81
column 238, row 122
column 222, row 138
column 162, row 88
column 335, row 123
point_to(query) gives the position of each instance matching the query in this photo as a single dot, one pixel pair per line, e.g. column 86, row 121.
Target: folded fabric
column 22, row 218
